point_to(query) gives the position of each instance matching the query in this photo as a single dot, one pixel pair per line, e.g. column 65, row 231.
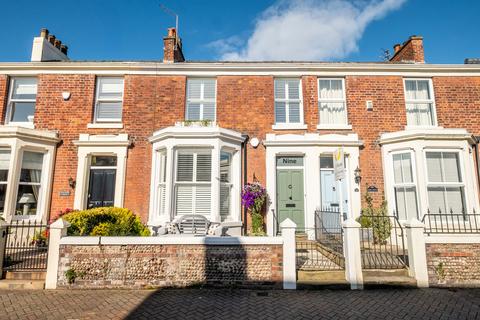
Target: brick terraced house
column 173, row 137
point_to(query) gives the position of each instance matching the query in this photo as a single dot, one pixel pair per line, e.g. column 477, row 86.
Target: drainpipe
column 245, row 177
column 477, row 155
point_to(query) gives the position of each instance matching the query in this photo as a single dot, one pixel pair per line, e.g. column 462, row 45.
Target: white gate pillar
column 352, row 253
column 417, row 256
column 58, row 229
column 289, row 254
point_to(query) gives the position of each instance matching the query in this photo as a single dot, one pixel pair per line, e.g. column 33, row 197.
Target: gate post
column 58, row 229
column 353, row 255
column 289, row 254
column 417, row 256
column 3, row 243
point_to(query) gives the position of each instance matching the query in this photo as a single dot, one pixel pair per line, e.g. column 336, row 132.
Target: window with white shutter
column 419, row 102
column 201, row 100
column 162, row 181
column 288, row 102
column 332, row 102
column 225, row 184
column 193, row 186
column 22, row 100
column 109, row 99
column 404, row 186
column 445, row 186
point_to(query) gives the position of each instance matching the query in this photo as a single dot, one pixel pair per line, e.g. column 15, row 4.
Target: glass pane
column 209, row 111
column 185, row 167
column 423, row 91
column 162, row 166
column 419, row 114
column 406, row 200
column 193, row 111
column 225, row 163
column 3, row 191
column 294, row 112
column 455, row 198
column 280, row 89
column 280, row 113
column 204, row 167
column 104, row 161
column 194, row 88
column 110, row 88
column 436, row 199
column 24, row 88
column 434, row 166
column 224, row 201
column 332, row 112
column 109, row 111
column 326, row 162
column 4, row 164
column 451, row 168
column 22, row 111
column 209, row 89
column 31, row 167
column 410, row 89
column 27, row 200
column 293, row 89
column 402, row 167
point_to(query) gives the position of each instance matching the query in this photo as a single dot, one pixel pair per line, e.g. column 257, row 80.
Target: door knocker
column 289, row 186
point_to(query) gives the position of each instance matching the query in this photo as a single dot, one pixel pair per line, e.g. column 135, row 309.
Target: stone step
column 385, row 273
column 390, row 281
column 327, row 276
column 25, row 275
column 22, row 284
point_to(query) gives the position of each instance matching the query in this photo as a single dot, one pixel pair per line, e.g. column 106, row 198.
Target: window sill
column 334, row 126
column 105, row 126
column 29, row 125
column 292, row 126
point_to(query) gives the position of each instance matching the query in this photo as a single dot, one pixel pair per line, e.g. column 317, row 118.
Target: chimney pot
column 58, row 43
column 44, row 33
column 64, row 49
column 396, row 47
column 51, row 39
column 172, row 32
column 172, row 47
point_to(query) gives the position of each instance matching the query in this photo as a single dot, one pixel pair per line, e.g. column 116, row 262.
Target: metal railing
column 26, row 246
column 451, row 222
column 382, row 242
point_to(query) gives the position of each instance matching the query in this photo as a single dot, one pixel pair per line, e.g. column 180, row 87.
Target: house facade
column 174, row 137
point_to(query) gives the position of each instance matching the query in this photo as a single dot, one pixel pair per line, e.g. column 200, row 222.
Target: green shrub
column 105, row 221
column 377, row 219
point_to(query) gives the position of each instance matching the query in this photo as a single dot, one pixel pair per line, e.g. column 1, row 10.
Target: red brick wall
column 411, row 50
column 244, row 104
column 3, row 96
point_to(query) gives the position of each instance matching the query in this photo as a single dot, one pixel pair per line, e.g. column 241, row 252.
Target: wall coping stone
column 453, row 238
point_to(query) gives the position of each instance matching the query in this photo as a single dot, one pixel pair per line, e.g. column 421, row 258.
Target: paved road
column 241, row 304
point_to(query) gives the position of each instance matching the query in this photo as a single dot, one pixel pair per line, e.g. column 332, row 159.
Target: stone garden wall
column 453, row 264
column 169, row 265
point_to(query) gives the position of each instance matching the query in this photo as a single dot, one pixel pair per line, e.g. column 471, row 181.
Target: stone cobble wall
column 451, row 264
column 142, row 266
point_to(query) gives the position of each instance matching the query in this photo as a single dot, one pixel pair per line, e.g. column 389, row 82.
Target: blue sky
column 328, row 30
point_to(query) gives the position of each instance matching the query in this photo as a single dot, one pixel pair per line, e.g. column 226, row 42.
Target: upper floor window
column 109, row 99
column 420, row 103
column 22, row 98
column 201, row 99
column 331, row 102
column 288, row 101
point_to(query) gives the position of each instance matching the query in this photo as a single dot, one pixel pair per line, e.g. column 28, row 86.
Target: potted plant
column 254, row 196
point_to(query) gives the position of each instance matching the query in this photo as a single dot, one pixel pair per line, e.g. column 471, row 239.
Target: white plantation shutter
column 162, row 178
column 225, row 184
column 193, row 187
column 280, row 89
column 24, row 88
column 280, row 112
column 4, row 159
column 287, row 101
column 293, row 89
column 419, row 102
column 109, row 103
column 201, row 99
column 445, row 185
column 331, row 101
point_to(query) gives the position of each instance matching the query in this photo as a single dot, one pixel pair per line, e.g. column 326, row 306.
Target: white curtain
column 331, row 102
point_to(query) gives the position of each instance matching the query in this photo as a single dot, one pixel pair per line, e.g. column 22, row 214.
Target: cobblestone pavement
column 241, row 304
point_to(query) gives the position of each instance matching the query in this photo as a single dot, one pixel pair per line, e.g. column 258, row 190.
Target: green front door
column 290, row 196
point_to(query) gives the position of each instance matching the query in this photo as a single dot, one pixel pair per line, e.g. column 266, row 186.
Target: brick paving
column 188, row 304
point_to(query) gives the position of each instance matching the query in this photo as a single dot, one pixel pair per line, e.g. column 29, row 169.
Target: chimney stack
column 411, row 51
column 172, row 47
column 47, row 47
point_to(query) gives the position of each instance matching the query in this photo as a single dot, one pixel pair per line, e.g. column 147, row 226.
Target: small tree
column 254, row 197
column 377, row 219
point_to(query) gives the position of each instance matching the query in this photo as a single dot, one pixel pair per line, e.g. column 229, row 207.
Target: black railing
column 26, row 246
column 451, row 222
column 382, row 242
column 328, row 228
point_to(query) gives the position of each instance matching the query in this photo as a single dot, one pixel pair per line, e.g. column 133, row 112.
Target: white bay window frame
column 169, row 141
column 404, row 185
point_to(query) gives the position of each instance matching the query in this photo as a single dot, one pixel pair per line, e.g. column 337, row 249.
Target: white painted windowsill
column 105, row 126
column 334, row 126
column 289, row 126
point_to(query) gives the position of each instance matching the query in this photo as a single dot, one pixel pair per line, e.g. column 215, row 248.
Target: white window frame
column 229, row 185
column 6, row 148
column 344, row 125
column 99, row 100
column 287, row 125
column 194, row 183
column 161, row 183
column 431, row 100
column 461, row 184
column 414, row 182
column 202, row 99
column 28, row 124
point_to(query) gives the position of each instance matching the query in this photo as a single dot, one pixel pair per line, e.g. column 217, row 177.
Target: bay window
column 419, row 102
column 332, row 102
column 22, row 100
column 404, row 186
column 444, row 182
column 29, row 184
column 201, row 99
column 288, row 102
column 193, row 186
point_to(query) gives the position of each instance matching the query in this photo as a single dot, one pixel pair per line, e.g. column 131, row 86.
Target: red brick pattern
column 3, row 96
column 410, row 51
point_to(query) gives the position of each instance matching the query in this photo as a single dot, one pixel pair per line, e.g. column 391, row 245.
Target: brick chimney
column 47, row 47
column 410, row 51
column 172, row 47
